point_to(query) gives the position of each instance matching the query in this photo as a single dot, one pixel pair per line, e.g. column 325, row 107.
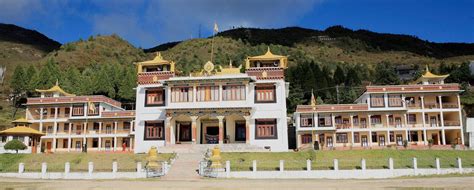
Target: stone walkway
column 185, row 167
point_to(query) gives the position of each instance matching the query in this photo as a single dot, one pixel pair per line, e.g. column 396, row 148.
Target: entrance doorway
column 212, row 135
column 240, row 134
column 48, row 146
column 435, row 139
column 364, row 142
column 184, row 132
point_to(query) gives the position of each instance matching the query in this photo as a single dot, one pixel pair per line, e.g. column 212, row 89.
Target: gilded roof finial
column 57, row 82
column 427, row 69
column 230, row 63
column 313, row 99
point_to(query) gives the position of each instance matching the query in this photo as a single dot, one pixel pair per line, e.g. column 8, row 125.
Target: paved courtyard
column 214, row 184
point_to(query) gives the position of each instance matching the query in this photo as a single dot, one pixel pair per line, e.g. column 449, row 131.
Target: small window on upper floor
column 154, row 97
column 395, row 100
column 233, row 92
column 265, row 94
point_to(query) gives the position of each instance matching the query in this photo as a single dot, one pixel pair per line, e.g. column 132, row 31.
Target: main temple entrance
column 184, row 132
column 212, row 135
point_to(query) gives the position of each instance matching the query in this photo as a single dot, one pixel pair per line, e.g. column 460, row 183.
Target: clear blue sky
column 148, row 23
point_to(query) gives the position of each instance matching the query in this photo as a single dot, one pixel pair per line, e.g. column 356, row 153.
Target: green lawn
column 78, row 161
column 348, row 159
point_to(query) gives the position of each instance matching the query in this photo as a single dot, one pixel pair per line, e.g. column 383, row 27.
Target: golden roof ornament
column 313, row 100
column 208, row 67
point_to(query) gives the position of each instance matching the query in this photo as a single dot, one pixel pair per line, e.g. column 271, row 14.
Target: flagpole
column 214, row 30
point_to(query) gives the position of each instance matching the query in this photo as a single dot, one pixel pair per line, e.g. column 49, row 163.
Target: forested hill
column 16, row 34
column 375, row 41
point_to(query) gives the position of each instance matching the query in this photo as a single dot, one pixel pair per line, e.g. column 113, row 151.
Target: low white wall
column 339, row 174
column 77, row 175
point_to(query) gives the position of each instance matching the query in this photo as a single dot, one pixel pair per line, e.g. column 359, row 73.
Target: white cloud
column 13, row 11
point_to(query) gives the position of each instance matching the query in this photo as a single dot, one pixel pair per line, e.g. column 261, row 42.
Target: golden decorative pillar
column 152, row 159
column 216, row 158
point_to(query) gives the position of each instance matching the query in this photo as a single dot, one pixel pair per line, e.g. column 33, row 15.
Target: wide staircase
column 189, row 155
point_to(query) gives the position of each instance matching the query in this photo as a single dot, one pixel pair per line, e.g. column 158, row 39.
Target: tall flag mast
column 216, row 29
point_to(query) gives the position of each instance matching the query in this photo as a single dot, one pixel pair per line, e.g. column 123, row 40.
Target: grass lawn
column 79, row 161
column 348, row 159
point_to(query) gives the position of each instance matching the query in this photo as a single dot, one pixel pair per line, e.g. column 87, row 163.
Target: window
column 233, row 92
column 325, row 121
column 355, row 120
column 155, row 97
column 392, row 136
column 96, row 126
column 377, row 101
column 265, row 94
column 67, row 111
column 411, row 119
column 181, row 94
column 374, row 137
column 413, row 136
column 78, row 110
column 341, row 138
column 266, row 129
column 66, row 127
column 306, row 139
column 356, row 137
column 126, row 125
column 376, row 119
column 154, row 130
column 207, row 93
column 395, row 100
column 306, row 121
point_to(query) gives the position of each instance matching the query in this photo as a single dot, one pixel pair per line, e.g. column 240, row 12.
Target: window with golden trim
column 233, row 92
column 207, row 93
column 181, row 94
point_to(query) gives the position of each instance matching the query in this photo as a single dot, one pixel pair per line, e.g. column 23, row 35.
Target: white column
column 369, row 137
column 220, row 92
column 100, row 127
column 333, row 120
column 115, row 143
column 132, row 125
column 352, row 129
column 115, row 127
column 69, row 138
column 460, row 120
column 168, row 131
column 315, row 120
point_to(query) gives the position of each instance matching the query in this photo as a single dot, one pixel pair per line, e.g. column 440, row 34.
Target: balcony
column 414, row 105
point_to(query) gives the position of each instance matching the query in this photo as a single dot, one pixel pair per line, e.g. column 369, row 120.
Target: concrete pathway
column 185, row 167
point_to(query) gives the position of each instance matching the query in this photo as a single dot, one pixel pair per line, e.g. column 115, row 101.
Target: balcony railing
column 452, row 123
column 343, row 126
column 414, row 106
column 431, row 106
column 450, row 105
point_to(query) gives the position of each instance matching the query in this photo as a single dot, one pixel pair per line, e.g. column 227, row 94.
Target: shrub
column 15, row 145
column 405, row 144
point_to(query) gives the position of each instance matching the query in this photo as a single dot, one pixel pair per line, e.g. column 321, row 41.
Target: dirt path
column 213, row 184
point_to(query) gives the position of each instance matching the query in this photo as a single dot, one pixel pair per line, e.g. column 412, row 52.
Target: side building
column 214, row 106
column 427, row 112
column 79, row 123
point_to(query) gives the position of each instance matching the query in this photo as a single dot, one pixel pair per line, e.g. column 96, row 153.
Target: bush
column 15, row 145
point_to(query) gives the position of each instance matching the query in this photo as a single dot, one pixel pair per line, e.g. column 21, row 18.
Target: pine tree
column 352, row 78
column 385, row 74
column 295, row 97
column 127, row 83
column 30, row 74
column 339, row 76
